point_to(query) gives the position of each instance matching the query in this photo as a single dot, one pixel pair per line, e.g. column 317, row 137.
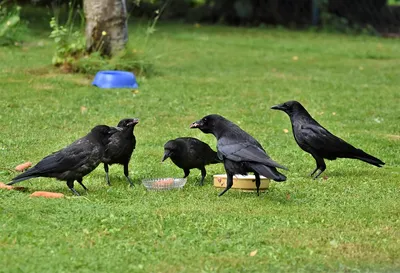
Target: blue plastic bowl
column 115, row 79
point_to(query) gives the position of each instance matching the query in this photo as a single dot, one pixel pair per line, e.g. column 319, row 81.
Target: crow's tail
column 361, row 155
column 31, row 173
column 269, row 172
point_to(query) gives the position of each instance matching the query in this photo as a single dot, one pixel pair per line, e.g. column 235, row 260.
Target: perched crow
column 240, row 152
column 189, row 153
column 119, row 149
column 74, row 161
column 319, row 142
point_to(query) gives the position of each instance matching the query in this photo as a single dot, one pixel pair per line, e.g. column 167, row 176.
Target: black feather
column 120, row 147
column 318, row 141
column 74, row 161
column 240, row 152
column 190, row 153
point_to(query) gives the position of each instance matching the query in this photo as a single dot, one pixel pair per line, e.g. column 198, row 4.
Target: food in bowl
column 164, row 183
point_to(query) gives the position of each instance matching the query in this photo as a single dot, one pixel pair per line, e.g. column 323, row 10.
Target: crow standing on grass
column 120, row 147
column 74, row 161
column 319, row 142
column 189, row 153
column 240, row 152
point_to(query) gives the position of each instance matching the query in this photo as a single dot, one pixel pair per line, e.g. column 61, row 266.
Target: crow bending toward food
column 120, row 147
column 319, row 142
column 240, row 152
column 74, row 161
column 189, row 153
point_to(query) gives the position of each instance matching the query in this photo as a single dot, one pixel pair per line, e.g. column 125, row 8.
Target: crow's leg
column 106, row 170
column 320, row 166
column 316, row 169
column 229, row 183
column 126, row 173
column 187, row 172
column 70, row 184
column 203, row 175
column 258, row 182
column 80, row 182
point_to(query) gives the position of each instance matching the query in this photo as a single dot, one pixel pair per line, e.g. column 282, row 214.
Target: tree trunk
column 106, row 26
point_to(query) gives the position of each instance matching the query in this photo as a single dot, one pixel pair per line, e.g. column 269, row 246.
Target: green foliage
column 71, row 53
column 70, row 44
column 333, row 23
column 394, row 2
column 128, row 59
column 10, row 23
column 346, row 223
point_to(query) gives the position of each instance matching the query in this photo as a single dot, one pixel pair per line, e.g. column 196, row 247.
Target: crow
column 74, row 161
column 240, row 152
column 189, row 153
column 120, row 147
column 319, row 142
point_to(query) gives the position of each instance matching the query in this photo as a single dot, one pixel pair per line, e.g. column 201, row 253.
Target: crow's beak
column 133, row 122
column 194, row 125
column 166, row 155
column 278, row 107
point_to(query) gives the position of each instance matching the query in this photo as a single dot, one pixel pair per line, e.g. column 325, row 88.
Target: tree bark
column 106, row 26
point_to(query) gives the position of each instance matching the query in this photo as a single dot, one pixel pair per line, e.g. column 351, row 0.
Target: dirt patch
column 393, row 137
column 85, row 81
column 43, row 86
column 39, row 71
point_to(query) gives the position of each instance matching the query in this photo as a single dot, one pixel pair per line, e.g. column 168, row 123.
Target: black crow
column 189, row 153
column 120, row 147
column 74, row 161
column 319, row 142
column 240, row 152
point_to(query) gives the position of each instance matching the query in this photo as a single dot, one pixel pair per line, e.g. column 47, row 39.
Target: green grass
column 346, row 223
column 393, row 2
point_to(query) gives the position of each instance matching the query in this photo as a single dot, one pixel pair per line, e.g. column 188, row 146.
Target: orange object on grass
column 47, row 194
column 4, row 186
column 7, row 187
column 23, row 166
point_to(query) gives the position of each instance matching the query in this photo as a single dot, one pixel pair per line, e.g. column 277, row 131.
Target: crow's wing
column 330, row 146
column 117, row 147
column 69, row 158
column 239, row 152
column 320, row 139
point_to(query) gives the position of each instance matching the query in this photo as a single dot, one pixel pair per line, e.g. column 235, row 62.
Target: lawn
column 347, row 221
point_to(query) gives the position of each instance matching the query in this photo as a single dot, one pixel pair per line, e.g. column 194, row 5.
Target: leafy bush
column 71, row 55
column 128, row 60
column 10, row 24
column 70, row 44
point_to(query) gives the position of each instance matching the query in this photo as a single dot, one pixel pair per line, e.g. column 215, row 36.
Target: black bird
column 240, row 152
column 319, row 142
column 120, row 147
column 74, row 161
column 189, row 153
